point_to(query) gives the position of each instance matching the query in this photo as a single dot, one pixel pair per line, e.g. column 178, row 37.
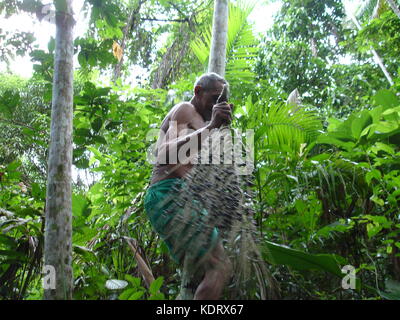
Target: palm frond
column 199, row 48
column 371, row 9
column 366, row 9
column 283, row 128
column 241, row 44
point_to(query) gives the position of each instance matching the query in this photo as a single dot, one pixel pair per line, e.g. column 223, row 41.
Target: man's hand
column 221, row 115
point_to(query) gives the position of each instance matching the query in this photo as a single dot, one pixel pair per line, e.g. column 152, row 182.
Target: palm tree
column 219, row 37
column 58, row 230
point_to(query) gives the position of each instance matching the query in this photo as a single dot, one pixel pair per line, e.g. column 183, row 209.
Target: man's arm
column 182, row 130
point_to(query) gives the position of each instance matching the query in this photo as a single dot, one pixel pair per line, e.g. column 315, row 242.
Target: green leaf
column 386, row 99
column 379, row 146
column 78, row 152
column 373, row 174
column 97, row 154
column 157, row 296
column 14, row 255
column 79, row 204
column 278, row 254
column 86, row 253
column 391, row 114
column 325, row 139
column 7, row 240
column 51, row 45
column 377, row 200
column 83, row 132
column 99, row 139
column 37, row 192
column 82, row 163
column 105, row 270
column 359, row 123
column 392, row 290
column 133, row 280
column 156, row 285
column 333, row 124
column 113, row 124
column 28, row 132
column 337, row 226
column 385, row 127
column 13, row 166
column 373, row 229
column 97, row 124
column 9, row 102
column 136, row 296
column 96, row 191
column 82, row 59
column 126, row 294
column 12, row 170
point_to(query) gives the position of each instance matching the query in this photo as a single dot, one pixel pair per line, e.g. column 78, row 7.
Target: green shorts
column 182, row 226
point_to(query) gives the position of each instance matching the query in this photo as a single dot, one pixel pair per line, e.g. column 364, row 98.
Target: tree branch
column 143, row 267
column 16, row 123
column 165, row 20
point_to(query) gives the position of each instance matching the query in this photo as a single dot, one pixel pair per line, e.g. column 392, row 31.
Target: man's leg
column 217, row 271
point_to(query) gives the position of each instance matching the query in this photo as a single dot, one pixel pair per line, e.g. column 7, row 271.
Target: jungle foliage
column 326, row 175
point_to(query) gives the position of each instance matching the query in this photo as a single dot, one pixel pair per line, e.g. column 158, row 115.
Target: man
column 189, row 123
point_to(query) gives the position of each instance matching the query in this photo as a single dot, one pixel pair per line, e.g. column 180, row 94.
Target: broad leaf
column 278, row 254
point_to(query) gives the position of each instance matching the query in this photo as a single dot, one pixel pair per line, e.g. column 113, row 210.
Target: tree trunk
column 394, row 7
column 58, row 229
column 219, row 38
column 171, row 62
column 127, row 34
column 314, row 47
column 378, row 59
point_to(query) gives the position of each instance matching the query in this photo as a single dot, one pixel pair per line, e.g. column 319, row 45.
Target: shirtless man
column 185, row 123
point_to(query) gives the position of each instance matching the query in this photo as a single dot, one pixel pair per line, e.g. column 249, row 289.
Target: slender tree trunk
column 378, row 59
column 394, row 7
column 58, row 229
column 219, row 38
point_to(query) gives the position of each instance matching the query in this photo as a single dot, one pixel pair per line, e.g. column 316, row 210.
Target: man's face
column 209, row 97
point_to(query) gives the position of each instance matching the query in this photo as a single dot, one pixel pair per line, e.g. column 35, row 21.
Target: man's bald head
column 207, row 81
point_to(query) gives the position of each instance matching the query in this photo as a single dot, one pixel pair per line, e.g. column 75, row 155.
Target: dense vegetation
column 327, row 172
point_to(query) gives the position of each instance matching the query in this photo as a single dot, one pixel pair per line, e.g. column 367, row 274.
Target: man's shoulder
column 183, row 111
column 185, row 107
